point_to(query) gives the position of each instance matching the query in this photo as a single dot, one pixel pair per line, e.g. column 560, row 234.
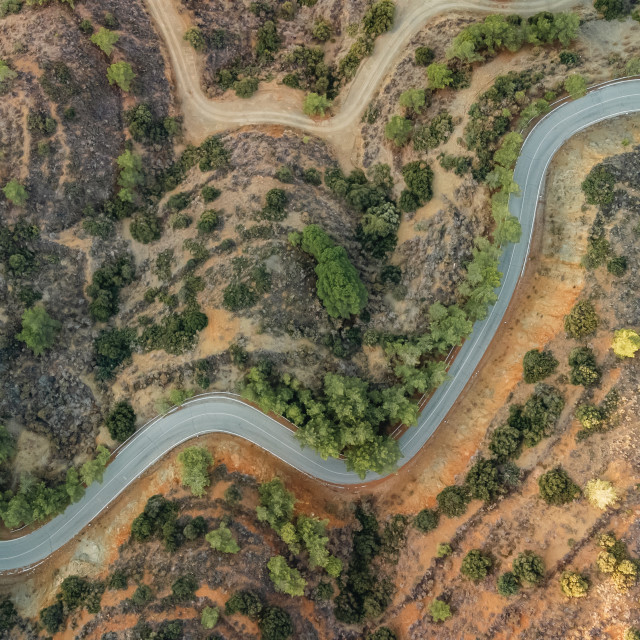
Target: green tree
column 538, row 365
column 398, row 130
column 576, row 85
column 610, row 9
column 121, row 74
column 15, row 193
column 476, row 565
column 584, row 369
column 483, row 480
column 105, row 40
column 625, row 343
column 508, row 584
column 73, row 485
column 39, row 330
column 93, row 470
column 418, row 177
column 284, row 578
column 121, row 421
column 53, row 617
column 221, row 539
column 209, row 617
column 556, row 487
column 315, row 104
column 528, row 567
column 426, row 520
column 413, row 99
column 598, row 186
column 439, row 75
column 184, row 588
column 581, row 321
column 8, row 615
column 382, row 633
column 246, row 87
column 195, row 463
column 439, row 610
column 322, row 30
column 246, row 603
column 6, row 73
column 276, row 504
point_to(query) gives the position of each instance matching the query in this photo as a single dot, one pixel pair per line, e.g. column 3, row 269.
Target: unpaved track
column 203, row 116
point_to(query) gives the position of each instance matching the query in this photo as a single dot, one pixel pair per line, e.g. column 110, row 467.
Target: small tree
column 576, row 85
column 15, row 193
column 285, row 578
column 601, row 494
column 246, row 87
column 93, row 470
column 39, row 330
column 104, row 40
column 528, row 567
column 508, row 584
column 538, row 365
column 556, row 487
column 453, row 501
column 221, row 539
column 121, row 421
column 322, row 30
column 275, row 624
column 398, row 130
column 121, row 74
column 625, row 343
column 6, row 72
column 195, row 463
column 476, row 565
column 383, row 633
column 413, row 99
column 574, row 585
column 276, row 504
column 184, row 588
column 439, row 75
column 7, row 445
column 315, row 104
column 439, row 610
column 209, row 617
column 424, row 56
column 379, row 18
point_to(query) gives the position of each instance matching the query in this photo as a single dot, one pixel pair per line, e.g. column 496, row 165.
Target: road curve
column 203, row 116
column 226, row 413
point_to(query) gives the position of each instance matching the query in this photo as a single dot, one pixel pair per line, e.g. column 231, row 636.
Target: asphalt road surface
column 225, row 413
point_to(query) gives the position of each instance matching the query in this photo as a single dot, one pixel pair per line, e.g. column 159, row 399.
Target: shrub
column 208, row 222
column 538, row 365
column 39, row 330
column 453, row 501
column 284, row 578
column 238, row 296
column 121, row 421
column 246, row 603
column 439, row 75
column 145, row 227
column 617, row 266
column 556, row 487
column 418, row 177
column 506, row 442
column 574, row 585
column 426, row 520
column 581, row 321
column 424, row 56
column 508, row 584
column 85, row 26
column 444, row 549
column 625, row 343
column 322, row 30
column 598, row 186
column 569, row 58
column 528, row 567
column 315, row 104
column 584, row 370
column 439, row 610
column 246, row 87
column 209, row 193
column 383, row 633
column 52, row 617
column 601, row 494
column 312, row 176
column 118, row 580
column 178, row 201
column 576, row 85
column 610, row 9
column 413, row 99
column 179, row 221
column 476, row 565
column 430, row 136
column 184, row 588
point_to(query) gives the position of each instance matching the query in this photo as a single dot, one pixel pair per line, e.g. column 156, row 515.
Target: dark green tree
column 121, row 421
column 537, row 365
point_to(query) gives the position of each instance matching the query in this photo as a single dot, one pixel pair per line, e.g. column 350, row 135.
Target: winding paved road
column 225, row 413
